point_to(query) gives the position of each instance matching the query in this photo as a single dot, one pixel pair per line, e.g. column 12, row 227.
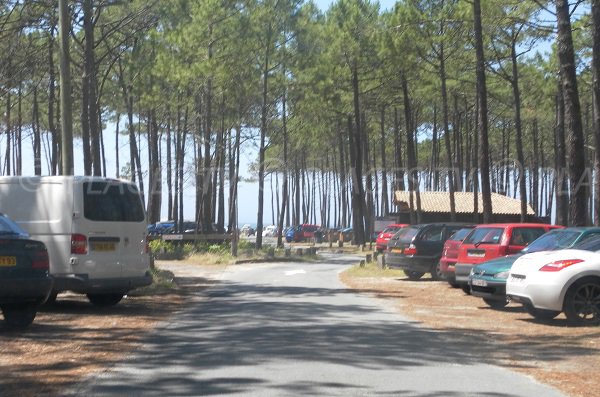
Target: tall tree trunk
column 384, row 185
column 343, row 179
column 207, row 188
column 263, row 135
column 66, row 101
column 284, row 188
column 358, row 191
column 518, row 128
column 535, row 169
column 92, row 81
column 37, row 139
column 51, row 103
column 234, row 192
column 154, row 178
column 297, row 193
column 446, row 111
column 413, row 179
column 560, row 164
column 433, row 179
column 399, row 174
column 475, row 166
column 181, row 164
column 596, row 105
column 573, row 124
column 484, row 151
column 221, row 148
column 8, row 135
column 169, row 170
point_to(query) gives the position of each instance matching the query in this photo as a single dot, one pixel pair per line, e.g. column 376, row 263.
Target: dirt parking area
column 567, row 358
column 71, row 338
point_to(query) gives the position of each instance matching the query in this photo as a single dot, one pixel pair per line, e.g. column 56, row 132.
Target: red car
column 450, row 254
column 491, row 241
column 386, row 235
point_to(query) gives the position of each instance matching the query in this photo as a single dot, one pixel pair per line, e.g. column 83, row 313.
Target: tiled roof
column 440, row 202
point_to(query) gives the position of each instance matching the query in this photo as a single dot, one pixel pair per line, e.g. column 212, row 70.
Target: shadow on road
column 248, row 325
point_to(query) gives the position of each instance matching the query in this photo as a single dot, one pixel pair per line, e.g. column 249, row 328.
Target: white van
column 94, row 229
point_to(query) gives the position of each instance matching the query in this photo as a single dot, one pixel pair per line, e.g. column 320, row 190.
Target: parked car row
column 187, row 227
column 547, row 268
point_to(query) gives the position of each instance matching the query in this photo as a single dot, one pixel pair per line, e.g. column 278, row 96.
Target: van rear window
column 112, row 202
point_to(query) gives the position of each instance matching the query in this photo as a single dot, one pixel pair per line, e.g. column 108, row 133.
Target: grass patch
column 211, row 258
column 372, row 270
column 162, row 283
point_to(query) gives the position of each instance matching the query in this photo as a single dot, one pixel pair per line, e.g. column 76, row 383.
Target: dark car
column 25, row 282
column 158, row 228
column 417, row 249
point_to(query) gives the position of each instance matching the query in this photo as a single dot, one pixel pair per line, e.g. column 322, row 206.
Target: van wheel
column 19, row 316
column 466, row 288
column 104, row 300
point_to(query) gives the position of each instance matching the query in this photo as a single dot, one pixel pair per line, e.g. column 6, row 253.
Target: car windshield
column 553, row 240
column 460, row 235
column 406, row 234
column 484, row 235
column 591, row 244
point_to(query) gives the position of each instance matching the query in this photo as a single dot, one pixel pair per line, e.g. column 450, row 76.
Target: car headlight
column 502, row 274
column 472, row 272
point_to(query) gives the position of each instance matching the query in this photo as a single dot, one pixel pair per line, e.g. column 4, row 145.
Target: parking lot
column 565, row 357
column 71, row 339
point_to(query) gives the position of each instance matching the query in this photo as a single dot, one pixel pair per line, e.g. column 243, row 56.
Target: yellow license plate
column 8, row 261
column 397, row 250
column 103, row 246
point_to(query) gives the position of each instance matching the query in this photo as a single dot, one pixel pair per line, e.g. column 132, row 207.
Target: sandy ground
column 72, row 338
column 565, row 357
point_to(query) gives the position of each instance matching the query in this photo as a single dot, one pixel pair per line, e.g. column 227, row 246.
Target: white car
column 550, row 282
column 270, row 231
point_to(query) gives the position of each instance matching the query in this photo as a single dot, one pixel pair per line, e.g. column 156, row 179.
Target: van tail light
column 78, row 244
column 411, row 250
column 146, row 246
column 559, row 265
column 40, row 260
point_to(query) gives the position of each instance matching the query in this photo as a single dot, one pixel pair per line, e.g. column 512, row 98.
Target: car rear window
column 484, row 235
column 406, row 234
column 112, row 202
column 525, row 235
column 391, row 229
column 460, row 235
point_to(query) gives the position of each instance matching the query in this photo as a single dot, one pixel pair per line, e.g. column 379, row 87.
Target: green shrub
column 170, row 250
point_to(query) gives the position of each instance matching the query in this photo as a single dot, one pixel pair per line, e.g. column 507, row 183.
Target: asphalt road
column 292, row 329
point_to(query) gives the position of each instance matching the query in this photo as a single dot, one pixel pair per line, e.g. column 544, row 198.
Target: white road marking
column 293, row 272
